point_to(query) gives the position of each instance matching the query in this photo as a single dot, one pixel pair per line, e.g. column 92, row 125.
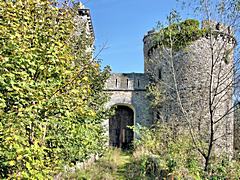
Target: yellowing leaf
column 85, row 78
column 11, row 163
column 28, row 166
column 19, row 157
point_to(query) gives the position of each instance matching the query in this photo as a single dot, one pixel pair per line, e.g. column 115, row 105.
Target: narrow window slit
column 159, row 74
column 116, row 83
column 127, row 83
column 138, row 83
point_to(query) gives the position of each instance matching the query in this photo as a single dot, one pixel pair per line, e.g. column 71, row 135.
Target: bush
column 51, row 98
column 160, row 153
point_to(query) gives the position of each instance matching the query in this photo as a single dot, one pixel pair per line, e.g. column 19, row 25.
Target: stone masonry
column 192, row 66
column 129, row 89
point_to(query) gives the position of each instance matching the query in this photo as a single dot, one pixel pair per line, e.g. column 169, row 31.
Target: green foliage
column 223, row 168
column 179, row 162
column 110, row 167
column 173, row 154
column 178, row 35
column 51, row 98
column 162, row 153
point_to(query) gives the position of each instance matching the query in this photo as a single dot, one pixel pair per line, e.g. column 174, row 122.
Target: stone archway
column 120, row 135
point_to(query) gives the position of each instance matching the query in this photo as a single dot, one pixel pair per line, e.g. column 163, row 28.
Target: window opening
column 159, row 74
column 218, row 26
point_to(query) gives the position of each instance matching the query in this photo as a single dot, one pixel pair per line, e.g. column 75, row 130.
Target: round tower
column 195, row 81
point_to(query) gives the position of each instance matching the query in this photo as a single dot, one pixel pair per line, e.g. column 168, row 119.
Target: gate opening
column 120, row 135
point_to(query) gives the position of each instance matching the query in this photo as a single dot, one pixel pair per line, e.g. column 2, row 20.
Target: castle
column 195, row 83
column 183, row 79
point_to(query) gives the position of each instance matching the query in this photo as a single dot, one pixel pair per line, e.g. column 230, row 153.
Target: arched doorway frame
column 134, row 116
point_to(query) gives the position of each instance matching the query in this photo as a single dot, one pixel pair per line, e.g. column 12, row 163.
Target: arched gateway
column 120, row 135
column 127, row 93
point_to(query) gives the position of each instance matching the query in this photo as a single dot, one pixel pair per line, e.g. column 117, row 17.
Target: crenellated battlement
column 216, row 26
column 219, row 31
column 127, row 81
column 85, row 16
column 129, row 89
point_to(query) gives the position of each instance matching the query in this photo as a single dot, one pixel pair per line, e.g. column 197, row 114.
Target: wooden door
column 120, row 135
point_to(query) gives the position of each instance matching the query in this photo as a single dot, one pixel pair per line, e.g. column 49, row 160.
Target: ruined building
column 185, row 75
column 187, row 71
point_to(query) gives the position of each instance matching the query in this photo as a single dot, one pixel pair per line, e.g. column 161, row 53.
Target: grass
column 112, row 166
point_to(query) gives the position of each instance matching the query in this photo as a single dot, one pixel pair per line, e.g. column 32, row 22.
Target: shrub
column 51, row 98
column 160, row 153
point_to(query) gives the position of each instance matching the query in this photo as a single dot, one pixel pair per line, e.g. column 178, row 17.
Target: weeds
column 109, row 167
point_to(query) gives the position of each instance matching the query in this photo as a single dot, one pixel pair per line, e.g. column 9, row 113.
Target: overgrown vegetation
column 111, row 166
column 158, row 154
column 162, row 154
column 178, row 35
column 51, row 99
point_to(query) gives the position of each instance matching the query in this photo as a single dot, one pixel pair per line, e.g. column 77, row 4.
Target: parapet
column 219, row 31
column 216, row 26
column 86, row 15
column 127, row 82
column 149, row 34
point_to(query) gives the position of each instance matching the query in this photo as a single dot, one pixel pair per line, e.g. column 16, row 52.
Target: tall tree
column 51, row 98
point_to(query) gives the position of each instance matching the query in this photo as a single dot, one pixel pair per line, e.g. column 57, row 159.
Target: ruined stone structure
column 83, row 19
column 189, row 71
column 84, row 27
column 183, row 75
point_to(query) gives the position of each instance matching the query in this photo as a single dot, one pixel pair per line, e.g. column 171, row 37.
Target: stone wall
column 190, row 68
column 127, row 81
column 129, row 89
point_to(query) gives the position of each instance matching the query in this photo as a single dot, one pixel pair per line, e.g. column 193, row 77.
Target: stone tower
column 193, row 74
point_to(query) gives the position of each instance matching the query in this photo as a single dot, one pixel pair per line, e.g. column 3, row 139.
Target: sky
column 120, row 25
